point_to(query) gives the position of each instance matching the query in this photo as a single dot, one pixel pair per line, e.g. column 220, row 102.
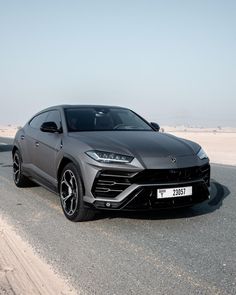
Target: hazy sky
column 174, row 62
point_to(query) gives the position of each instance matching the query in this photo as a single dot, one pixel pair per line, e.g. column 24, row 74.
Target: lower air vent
column 110, row 184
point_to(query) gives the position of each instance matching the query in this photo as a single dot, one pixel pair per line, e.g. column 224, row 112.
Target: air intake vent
column 110, row 184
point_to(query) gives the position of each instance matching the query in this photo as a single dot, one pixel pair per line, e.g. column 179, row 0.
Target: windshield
column 103, row 119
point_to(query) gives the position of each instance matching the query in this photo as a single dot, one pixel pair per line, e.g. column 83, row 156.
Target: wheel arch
column 14, row 149
column 64, row 161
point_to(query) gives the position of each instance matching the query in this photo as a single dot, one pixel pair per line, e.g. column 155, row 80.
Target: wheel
column 71, row 195
column 19, row 179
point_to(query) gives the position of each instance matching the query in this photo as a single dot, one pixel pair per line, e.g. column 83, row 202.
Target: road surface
column 172, row 252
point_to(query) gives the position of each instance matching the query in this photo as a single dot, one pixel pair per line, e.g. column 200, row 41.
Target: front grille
column 109, row 184
column 172, row 175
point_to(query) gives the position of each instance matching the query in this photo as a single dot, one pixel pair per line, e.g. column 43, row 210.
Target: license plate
column 177, row 192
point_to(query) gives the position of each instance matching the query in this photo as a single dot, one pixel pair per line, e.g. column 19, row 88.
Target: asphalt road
column 189, row 251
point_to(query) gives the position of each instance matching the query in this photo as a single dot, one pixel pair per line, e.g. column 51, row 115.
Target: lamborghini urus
column 108, row 158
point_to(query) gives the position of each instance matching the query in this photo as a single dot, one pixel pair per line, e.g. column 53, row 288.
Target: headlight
column 202, row 155
column 107, row 157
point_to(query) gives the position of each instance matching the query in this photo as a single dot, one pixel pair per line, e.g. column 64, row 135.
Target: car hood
column 147, row 146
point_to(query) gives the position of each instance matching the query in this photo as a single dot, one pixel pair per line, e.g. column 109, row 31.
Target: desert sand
column 22, row 271
column 220, row 146
column 8, row 130
column 219, row 143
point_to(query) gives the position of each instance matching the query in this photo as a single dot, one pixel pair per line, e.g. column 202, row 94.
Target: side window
column 54, row 116
column 38, row 120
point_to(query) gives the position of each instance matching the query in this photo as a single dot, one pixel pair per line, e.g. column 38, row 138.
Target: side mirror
column 155, row 126
column 50, row 127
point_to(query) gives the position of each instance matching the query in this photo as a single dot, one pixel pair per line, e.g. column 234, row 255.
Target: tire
column 71, row 195
column 19, row 179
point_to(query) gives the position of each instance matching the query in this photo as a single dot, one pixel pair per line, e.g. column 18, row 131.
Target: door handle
column 37, row 144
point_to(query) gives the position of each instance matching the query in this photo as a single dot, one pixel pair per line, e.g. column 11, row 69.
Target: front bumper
column 144, row 197
column 122, row 190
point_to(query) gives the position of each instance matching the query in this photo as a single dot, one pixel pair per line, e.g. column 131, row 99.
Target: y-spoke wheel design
column 69, row 192
column 71, row 195
column 16, row 167
column 19, row 179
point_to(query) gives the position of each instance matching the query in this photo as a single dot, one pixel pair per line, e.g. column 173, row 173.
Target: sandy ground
column 22, row 271
column 8, row 131
column 219, row 143
column 220, row 147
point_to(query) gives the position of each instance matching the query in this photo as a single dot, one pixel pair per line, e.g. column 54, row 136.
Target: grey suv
column 108, row 158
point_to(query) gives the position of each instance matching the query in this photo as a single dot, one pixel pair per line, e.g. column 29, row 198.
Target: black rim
column 69, row 192
column 16, row 167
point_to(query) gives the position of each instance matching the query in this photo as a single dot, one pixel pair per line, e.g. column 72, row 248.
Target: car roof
column 68, row 106
column 75, row 106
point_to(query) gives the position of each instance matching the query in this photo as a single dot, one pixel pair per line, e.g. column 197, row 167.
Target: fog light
column 108, row 205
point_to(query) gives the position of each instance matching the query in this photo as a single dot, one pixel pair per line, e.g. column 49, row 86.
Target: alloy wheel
column 69, row 192
column 16, row 167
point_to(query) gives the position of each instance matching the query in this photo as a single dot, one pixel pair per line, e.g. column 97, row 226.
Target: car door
column 29, row 139
column 48, row 147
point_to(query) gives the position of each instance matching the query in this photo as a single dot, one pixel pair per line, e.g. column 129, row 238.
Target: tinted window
column 103, row 118
column 38, row 120
column 54, row 116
